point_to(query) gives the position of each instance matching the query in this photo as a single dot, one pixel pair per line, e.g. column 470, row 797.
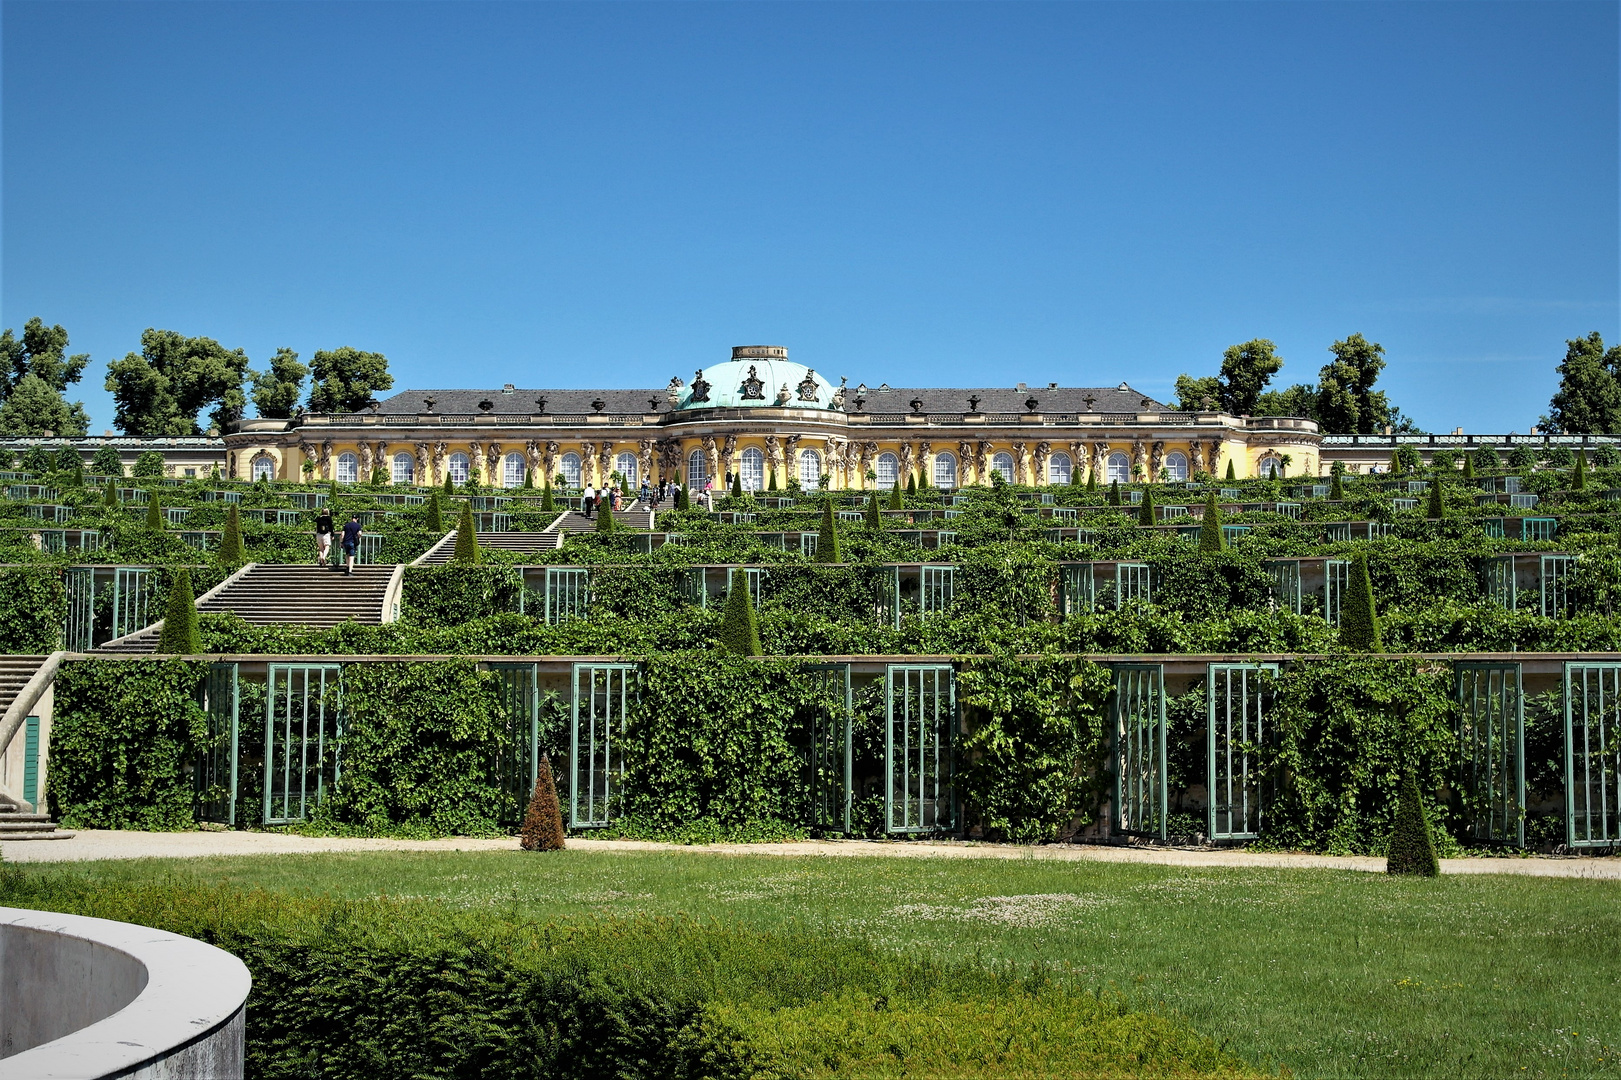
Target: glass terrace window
column 888, row 468
column 1176, row 467
column 404, row 468
column 1119, row 468
column 945, row 470
column 626, row 464
column 263, row 468
column 1059, row 469
column 1003, row 463
column 512, row 468
column 810, row 468
column 752, row 470
column 569, row 466
column 348, row 470
column 697, row 470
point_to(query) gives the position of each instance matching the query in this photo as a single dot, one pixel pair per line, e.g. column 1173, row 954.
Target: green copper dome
column 757, row 377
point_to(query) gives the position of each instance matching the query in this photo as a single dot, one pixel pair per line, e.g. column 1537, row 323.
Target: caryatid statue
column 1156, row 459
column 644, row 459
column 1043, row 451
column 440, row 452
column 965, row 454
column 588, row 464
column 1021, row 462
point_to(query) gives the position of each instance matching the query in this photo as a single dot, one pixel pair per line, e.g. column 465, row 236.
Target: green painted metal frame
column 1286, row 591
column 1500, row 583
column 1336, row 579
column 285, row 685
column 1077, row 585
column 832, row 760
column 518, row 763
column 755, row 576
column 1236, row 787
column 1554, row 582
column 132, row 599
column 1491, row 743
column 936, row 589
column 79, row 628
column 594, row 766
column 1592, row 754
column 1133, row 585
column 918, row 765
column 1137, row 725
column 31, row 761
column 216, row 766
column 568, row 593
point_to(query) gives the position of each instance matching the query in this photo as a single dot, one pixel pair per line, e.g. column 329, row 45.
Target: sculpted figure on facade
column 605, row 461
column 669, row 457
column 1039, row 458
column 982, row 455
column 1139, row 458
column 728, row 450
column 908, row 457
column 588, row 463
column 773, row 453
column 644, row 459
column 1195, row 457
column 424, row 463
column 440, row 452
column 711, row 457
column 492, row 464
column 869, row 450
column 1100, row 460
column 965, row 455
column 548, row 459
column 833, row 460
column 364, row 472
column 925, row 464
column 1215, row 455
column 310, row 453
column 1156, row 459
column 1021, row 463
column 326, row 459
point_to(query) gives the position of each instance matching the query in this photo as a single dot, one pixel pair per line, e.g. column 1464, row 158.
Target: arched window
column 264, row 467
column 404, row 468
column 1176, row 467
column 1271, row 466
column 512, row 468
column 569, row 466
column 945, row 470
column 348, row 470
column 888, row 468
column 1059, row 469
column 752, row 471
column 697, row 471
column 810, row 468
column 1003, row 463
column 456, row 468
column 1119, row 469
column 626, row 465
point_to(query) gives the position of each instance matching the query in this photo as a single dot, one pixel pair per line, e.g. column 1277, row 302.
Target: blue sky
column 923, row 194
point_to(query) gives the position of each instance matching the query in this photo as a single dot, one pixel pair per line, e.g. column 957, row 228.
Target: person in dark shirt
column 323, row 536
column 351, row 541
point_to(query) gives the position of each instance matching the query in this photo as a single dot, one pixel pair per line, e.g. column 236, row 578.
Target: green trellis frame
column 1592, row 754
column 600, row 706
column 1137, row 726
column 1237, row 788
column 920, row 720
column 1491, row 742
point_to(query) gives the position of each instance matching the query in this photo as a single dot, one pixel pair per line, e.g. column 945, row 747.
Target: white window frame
column 888, row 468
column 347, row 469
column 1002, row 462
column 458, row 468
column 697, row 471
column 1060, row 469
column 404, row 467
column 945, row 470
column 751, row 469
column 1176, row 466
column 810, row 469
column 1118, row 467
column 512, row 469
column 569, row 466
column 625, row 464
column 263, row 467
column 1269, row 466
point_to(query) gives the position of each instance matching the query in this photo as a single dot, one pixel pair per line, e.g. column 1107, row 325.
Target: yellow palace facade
column 758, row 415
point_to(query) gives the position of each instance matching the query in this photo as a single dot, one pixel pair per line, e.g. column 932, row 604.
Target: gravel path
column 98, row 844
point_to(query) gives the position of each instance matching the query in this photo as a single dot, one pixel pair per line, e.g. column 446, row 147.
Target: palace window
column 512, row 468
column 264, row 467
column 888, row 468
column 752, row 471
column 810, row 468
column 348, row 470
column 457, row 467
column 1119, row 469
column 1176, row 467
column 404, row 468
column 1003, row 463
column 1059, row 469
column 697, row 471
column 945, row 469
column 1271, row 466
column 569, row 466
column 626, row 464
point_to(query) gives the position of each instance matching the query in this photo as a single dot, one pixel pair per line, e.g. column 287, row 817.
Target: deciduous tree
column 161, row 389
column 346, row 379
column 277, row 389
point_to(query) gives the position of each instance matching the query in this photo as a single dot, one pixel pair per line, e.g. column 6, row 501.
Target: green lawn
column 1328, row 973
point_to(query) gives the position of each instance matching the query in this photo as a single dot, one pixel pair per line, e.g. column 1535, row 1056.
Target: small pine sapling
column 1212, row 538
column 466, row 552
column 739, row 629
column 543, row 821
column 179, row 635
column 1359, row 622
column 1412, row 844
column 232, row 551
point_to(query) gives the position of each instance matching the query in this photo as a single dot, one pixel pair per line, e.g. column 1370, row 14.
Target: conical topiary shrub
column 1359, row 622
column 529, row 479
column 737, row 485
column 1211, row 537
column 154, row 512
column 1469, row 465
column 1232, row 473
column 543, row 821
column 827, row 539
column 875, row 519
column 179, row 634
column 109, row 495
column 1114, row 493
column 1145, row 511
column 1092, row 482
column 1395, row 463
column 739, row 629
column 547, row 503
column 895, row 502
column 605, row 517
column 436, row 515
column 1336, row 485
column 232, row 551
column 1438, row 505
column 448, row 488
column 683, row 501
column 1412, row 845
column 911, row 483
column 1578, row 479
column 466, row 551
column 772, row 484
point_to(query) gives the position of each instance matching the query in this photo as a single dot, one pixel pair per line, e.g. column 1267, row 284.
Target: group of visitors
column 613, row 496
column 323, row 539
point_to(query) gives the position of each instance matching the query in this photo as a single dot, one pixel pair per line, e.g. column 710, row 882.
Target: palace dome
column 757, row 377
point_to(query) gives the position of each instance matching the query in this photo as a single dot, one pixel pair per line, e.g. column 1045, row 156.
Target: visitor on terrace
column 323, row 535
column 351, row 541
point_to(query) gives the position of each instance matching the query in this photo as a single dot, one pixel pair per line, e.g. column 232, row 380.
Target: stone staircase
column 17, row 823
column 15, row 671
column 303, row 595
column 548, row 539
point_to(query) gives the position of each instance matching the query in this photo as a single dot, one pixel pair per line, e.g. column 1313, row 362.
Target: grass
column 1328, row 973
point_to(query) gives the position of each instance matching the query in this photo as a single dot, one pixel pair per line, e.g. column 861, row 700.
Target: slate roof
column 994, row 399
